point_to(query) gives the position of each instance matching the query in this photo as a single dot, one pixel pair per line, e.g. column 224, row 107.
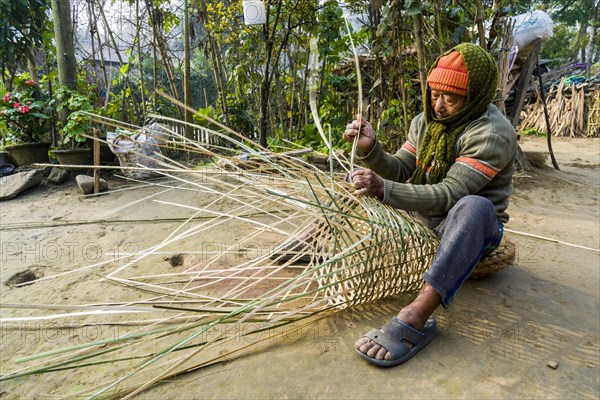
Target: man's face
column 445, row 104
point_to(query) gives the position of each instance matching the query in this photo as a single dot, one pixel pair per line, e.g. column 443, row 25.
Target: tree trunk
column 294, row 60
column 420, row 47
column 215, row 55
column 156, row 19
column 592, row 34
column 303, row 117
column 94, row 24
column 187, row 79
column 264, row 107
column 112, row 39
column 31, row 66
column 479, row 21
column 141, row 61
column 218, row 66
column 580, row 41
column 404, row 95
column 65, row 50
column 154, row 72
column 441, row 39
column 281, row 106
column 264, row 85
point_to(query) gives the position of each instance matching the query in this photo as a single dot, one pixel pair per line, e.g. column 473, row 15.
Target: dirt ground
column 496, row 340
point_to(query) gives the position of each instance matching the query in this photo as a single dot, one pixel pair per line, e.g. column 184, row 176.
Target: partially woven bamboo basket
column 385, row 253
column 380, row 258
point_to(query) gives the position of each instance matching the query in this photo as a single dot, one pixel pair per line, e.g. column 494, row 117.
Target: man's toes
column 360, row 342
column 366, row 347
column 388, row 356
column 372, row 352
column 372, row 349
column 382, row 354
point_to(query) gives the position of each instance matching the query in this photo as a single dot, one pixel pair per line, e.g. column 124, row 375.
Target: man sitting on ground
column 453, row 173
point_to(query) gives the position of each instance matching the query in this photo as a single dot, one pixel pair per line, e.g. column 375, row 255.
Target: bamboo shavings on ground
column 203, row 314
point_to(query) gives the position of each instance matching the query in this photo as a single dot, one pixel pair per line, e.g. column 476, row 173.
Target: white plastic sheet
column 140, row 150
column 529, row 27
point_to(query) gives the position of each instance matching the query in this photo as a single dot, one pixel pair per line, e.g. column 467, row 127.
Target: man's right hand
column 366, row 139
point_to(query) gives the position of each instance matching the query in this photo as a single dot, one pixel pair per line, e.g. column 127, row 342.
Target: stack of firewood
column 567, row 108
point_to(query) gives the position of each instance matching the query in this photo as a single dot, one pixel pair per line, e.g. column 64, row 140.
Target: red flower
column 16, row 105
column 23, row 109
column 7, row 97
column 30, row 82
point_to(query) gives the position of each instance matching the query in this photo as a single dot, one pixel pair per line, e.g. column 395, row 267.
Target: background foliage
column 255, row 78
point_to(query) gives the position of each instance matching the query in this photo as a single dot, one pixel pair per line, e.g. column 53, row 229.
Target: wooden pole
column 523, row 83
column 96, row 162
column 546, row 116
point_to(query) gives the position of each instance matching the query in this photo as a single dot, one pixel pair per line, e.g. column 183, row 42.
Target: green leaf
column 413, row 7
column 38, row 115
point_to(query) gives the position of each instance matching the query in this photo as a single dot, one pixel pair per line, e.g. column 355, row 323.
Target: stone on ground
column 58, row 175
column 12, row 185
column 86, row 184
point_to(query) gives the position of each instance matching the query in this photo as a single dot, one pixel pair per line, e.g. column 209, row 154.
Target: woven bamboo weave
column 379, row 252
column 379, row 264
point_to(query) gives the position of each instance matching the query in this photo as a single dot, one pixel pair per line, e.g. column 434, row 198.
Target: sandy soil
column 496, row 339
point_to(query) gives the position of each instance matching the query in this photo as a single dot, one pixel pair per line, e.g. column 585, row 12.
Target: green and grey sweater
column 484, row 164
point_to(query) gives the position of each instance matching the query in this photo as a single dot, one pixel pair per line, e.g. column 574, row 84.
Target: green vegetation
column 531, row 132
column 255, row 78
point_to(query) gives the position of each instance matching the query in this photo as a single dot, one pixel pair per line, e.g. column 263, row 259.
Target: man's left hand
column 367, row 183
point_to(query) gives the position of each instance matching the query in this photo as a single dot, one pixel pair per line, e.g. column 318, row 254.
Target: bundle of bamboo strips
column 213, row 310
column 593, row 124
column 567, row 110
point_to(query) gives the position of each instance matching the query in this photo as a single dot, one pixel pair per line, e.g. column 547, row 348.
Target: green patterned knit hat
column 437, row 150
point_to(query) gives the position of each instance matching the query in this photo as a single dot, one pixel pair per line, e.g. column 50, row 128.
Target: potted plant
column 72, row 149
column 25, row 121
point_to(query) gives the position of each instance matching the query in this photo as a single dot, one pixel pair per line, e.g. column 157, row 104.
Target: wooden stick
column 96, row 162
column 531, row 235
column 546, row 116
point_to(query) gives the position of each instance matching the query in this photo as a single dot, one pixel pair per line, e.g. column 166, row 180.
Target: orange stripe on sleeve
column 410, row 148
column 479, row 166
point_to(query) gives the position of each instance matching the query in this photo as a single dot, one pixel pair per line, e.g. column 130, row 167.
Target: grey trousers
column 469, row 232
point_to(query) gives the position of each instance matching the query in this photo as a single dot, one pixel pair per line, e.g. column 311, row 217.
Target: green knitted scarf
column 437, row 149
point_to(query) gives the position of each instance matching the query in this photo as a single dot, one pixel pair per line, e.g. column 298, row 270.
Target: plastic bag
column 139, row 150
column 529, row 27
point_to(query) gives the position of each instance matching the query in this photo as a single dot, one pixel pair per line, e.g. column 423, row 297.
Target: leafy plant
column 209, row 112
column 77, row 123
column 22, row 30
column 25, row 111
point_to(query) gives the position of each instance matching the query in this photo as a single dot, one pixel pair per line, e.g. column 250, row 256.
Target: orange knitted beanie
column 450, row 75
